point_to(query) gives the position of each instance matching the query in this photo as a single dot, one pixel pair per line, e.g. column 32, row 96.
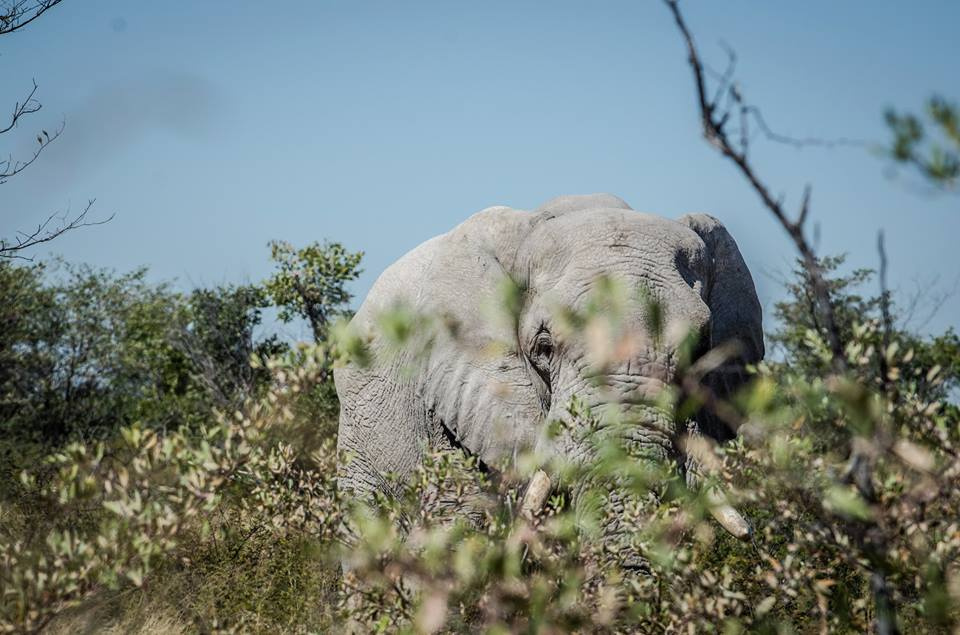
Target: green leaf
column 845, row 501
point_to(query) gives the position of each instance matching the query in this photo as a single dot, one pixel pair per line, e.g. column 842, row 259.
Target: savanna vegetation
column 168, row 464
column 166, row 467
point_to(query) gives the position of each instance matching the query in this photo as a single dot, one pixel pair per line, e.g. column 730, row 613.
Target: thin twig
column 796, row 142
column 10, row 166
column 17, row 14
column 28, row 106
column 888, row 386
column 804, row 206
column 45, row 232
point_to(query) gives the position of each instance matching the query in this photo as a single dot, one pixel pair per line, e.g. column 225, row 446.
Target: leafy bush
column 122, row 507
column 89, row 351
column 231, row 526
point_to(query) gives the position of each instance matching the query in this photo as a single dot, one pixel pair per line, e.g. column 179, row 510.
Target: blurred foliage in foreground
column 935, row 155
column 189, row 483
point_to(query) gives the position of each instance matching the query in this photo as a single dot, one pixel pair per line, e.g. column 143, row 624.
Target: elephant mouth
column 540, row 486
column 650, row 432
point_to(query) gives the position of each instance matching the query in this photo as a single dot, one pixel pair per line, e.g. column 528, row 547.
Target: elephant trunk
column 650, row 435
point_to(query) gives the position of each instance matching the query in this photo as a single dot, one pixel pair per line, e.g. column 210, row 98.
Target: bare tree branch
column 27, row 106
column 713, row 118
column 55, row 225
column 889, row 388
column 16, row 14
column 10, row 166
column 804, row 206
column 800, row 142
column 727, row 89
column 926, row 297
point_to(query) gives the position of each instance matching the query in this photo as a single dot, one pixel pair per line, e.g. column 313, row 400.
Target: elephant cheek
column 491, row 418
column 509, row 429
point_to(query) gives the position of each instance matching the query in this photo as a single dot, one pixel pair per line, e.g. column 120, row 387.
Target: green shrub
column 236, row 524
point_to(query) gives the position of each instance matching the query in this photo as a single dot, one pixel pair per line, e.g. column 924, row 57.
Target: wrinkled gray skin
column 495, row 404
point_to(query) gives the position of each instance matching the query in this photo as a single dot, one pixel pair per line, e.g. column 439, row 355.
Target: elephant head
column 493, row 387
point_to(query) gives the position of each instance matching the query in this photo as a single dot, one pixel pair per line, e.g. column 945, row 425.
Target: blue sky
column 209, row 128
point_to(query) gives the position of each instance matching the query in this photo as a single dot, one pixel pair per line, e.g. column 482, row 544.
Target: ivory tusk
column 536, row 495
column 729, row 518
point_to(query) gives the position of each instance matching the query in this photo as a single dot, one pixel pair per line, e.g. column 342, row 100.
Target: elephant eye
column 541, row 352
column 542, row 348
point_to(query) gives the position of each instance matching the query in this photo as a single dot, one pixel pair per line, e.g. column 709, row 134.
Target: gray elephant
column 495, row 400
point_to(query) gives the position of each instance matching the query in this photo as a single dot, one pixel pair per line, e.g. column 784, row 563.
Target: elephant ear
column 735, row 315
column 478, row 385
column 456, row 383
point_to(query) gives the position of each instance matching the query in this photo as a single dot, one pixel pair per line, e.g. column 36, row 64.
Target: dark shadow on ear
column 736, row 316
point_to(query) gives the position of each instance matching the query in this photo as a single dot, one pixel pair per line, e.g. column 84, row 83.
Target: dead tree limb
column 714, row 119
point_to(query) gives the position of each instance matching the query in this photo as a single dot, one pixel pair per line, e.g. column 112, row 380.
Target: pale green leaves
column 847, row 502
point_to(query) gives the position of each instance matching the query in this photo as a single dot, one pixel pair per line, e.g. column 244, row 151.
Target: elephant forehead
column 607, row 227
column 613, row 241
column 576, row 202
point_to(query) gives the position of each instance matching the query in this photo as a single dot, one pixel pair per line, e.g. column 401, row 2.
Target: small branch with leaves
column 932, row 147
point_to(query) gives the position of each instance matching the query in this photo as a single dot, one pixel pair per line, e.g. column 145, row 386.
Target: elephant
column 493, row 401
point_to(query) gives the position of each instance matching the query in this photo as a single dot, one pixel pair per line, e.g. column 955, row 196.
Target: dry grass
column 106, row 618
